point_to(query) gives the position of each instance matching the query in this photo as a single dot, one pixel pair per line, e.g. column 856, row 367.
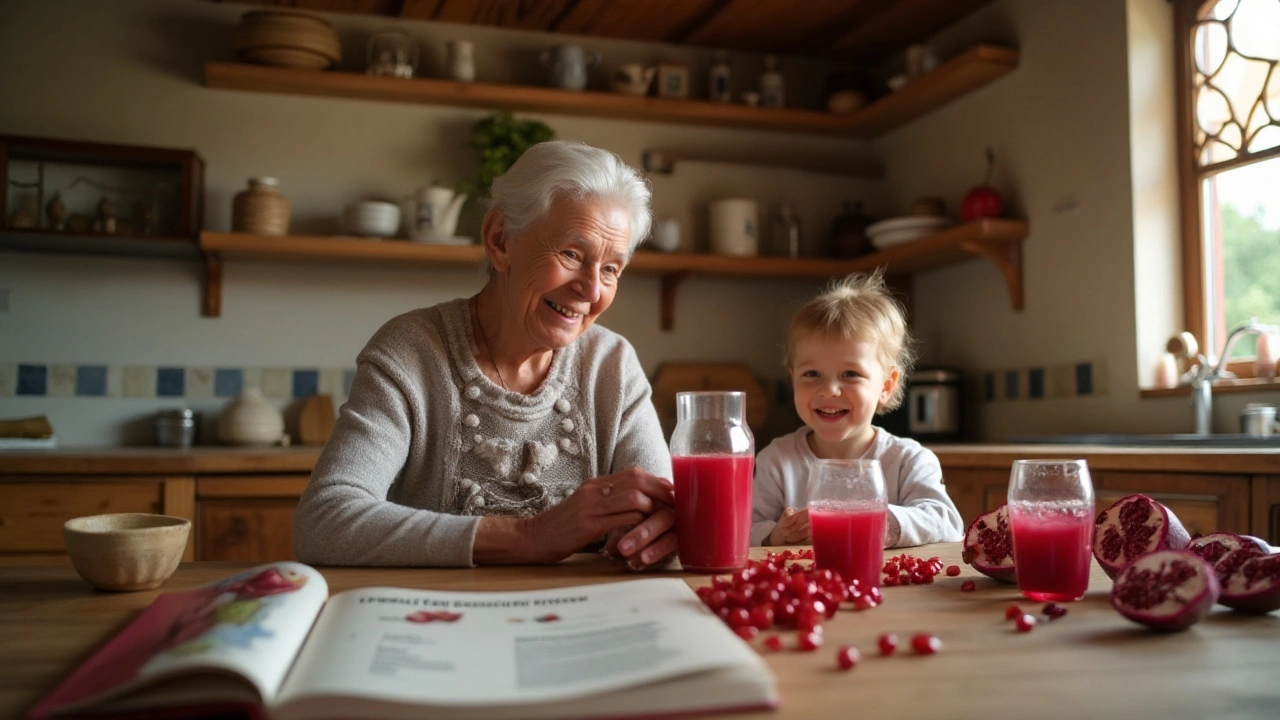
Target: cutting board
column 673, row 378
column 315, row 420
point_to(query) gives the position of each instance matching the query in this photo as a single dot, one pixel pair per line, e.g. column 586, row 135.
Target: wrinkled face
column 564, row 269
column 838, row 384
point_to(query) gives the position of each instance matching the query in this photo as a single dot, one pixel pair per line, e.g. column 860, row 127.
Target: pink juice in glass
column 713, row 511
column 1052, row 549
column 850, row 541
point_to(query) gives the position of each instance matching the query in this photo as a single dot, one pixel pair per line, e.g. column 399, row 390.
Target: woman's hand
column 792, row 528
column 632, row 502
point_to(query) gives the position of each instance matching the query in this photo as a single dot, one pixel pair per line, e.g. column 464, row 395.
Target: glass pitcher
column 713, row 456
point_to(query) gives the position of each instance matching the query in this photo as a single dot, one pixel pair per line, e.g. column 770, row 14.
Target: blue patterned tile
column 91, row 380
column 989, row 386
column 1035, row 383
column 227, row 382
column 1011, row 384
column 171, row 382
column 33, row 380
column 1084, row 379
column 306, row 383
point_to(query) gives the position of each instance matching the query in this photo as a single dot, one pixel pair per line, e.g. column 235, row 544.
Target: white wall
column 129, row 71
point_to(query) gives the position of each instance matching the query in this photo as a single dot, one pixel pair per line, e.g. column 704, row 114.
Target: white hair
column 524, row 193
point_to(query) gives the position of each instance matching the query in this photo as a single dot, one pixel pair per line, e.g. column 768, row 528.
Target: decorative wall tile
column 1012, row 385
column 1084, row 379
column 277, row 382
column 306, row 383
column 139, row 381
column 115, row 381
column 199, row 383
column 989, row 386
column 171, row 382
column 32, row 380
column 91, row 380
column 331, row 381
column 1100, row 376
column 228, row 382
column 8, row 378
column 1035, row 383
column 252, row 377
column 62, row 381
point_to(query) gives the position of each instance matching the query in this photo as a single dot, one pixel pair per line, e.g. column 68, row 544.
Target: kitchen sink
column 1180, row 440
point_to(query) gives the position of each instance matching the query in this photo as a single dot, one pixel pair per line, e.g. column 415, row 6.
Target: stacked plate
column 287, row 39
column 372, row 219
column 896, row 231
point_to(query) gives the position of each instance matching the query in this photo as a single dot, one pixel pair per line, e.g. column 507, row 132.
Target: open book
column 253, row 644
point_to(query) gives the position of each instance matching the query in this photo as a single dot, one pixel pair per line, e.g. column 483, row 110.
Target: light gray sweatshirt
column 920, row 511
column 426, row 443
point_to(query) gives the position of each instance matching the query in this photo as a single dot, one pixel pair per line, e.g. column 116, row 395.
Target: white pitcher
column 433, row 215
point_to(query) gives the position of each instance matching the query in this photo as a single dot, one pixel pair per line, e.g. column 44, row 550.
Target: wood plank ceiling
column 865, row 31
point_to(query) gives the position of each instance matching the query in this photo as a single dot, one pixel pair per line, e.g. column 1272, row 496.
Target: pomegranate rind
column 1227, row 552
column 1190, row 588
column 975, row 556
column 1254, row 587
column 1165, row 533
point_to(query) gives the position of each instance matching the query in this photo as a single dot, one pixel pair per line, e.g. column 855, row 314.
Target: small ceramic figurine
column 772, row 87
column 106, row 222
column 718, row 79
column 57, row 212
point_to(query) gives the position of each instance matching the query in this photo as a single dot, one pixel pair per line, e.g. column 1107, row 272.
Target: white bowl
column 378, row 219
column 896, row 231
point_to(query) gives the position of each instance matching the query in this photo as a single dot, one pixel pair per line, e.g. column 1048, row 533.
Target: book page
column 250, row 624
column 500, row 648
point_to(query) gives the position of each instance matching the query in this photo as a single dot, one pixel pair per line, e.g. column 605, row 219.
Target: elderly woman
column 507, row 427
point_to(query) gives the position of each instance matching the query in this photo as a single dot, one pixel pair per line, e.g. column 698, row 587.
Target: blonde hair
column 859, row 307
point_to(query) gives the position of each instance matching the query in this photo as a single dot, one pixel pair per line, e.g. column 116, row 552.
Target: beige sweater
column 426, row 443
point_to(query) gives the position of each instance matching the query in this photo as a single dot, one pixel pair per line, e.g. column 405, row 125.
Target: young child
column 847, row 352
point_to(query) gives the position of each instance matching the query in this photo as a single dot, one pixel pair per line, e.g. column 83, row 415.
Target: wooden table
column 1090, row 664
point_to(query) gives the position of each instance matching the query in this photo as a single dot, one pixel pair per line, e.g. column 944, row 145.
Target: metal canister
column 1258, row 419
column 177, row 428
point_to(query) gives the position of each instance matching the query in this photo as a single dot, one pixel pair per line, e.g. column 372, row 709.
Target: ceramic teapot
column 432, row 216
column 633, row 79
column 567, row 65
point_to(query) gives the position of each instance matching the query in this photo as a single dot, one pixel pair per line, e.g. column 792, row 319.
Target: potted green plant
column 501, row 139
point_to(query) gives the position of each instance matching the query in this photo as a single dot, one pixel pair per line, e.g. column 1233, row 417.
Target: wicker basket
column 261, row 209
column 287, row 39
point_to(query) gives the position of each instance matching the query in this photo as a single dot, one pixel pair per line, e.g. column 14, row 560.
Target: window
column 1229, row 51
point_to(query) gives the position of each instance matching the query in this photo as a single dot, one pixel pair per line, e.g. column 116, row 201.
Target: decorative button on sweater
column 562, row 405
column 567, row 424
column 471, row 421
column 473, row 391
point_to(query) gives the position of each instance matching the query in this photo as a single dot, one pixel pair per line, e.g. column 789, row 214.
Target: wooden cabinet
column 247, row 518
column 1266, row 508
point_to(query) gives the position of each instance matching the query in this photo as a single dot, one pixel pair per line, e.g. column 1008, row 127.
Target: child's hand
column 792, row 528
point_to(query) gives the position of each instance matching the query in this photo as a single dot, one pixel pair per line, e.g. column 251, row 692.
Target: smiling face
column 838, row 385
column 561, row 273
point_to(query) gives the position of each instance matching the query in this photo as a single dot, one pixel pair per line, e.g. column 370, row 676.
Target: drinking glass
column 712, row 457
column 848, row 510
column 1051, row 518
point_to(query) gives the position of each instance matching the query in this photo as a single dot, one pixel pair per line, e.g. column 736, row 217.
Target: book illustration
column 229, row 613
column 426, row 616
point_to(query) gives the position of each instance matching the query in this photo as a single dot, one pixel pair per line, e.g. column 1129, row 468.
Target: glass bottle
column 786, row 232
column 713, row 456
column 772, row 87
column 718, row 89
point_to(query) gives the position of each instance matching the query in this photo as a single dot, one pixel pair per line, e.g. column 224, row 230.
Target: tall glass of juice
column 1051, row 517
column 848, row 510
column 712, row 457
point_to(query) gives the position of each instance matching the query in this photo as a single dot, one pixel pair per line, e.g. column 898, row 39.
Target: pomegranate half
column 1166, row 590
column 1132, row 527
column 1227, row 552
column 1255, row 587
column 988, row 545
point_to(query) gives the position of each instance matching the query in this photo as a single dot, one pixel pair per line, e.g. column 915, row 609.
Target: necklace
column 475, row 307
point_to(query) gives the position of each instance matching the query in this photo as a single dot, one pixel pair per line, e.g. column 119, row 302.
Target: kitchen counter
column 1091, row 663
column 1116, row 457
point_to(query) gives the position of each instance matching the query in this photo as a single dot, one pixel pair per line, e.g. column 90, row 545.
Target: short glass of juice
column 1052, row 519
column 712, row 458
column 847, row 513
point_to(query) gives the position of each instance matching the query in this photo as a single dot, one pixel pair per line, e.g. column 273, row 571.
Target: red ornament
column 983, row 201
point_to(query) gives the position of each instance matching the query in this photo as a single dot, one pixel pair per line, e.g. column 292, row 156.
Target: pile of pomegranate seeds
column 1053, row 611
column 910, row 570
column 772, row 593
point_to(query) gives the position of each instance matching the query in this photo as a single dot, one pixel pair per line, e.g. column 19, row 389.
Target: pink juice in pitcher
column 1052, row 549
column 713, row 511
column 850, row 541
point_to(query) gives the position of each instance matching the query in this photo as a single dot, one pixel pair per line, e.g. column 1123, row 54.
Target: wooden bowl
column 126, row 551
column 288, row 58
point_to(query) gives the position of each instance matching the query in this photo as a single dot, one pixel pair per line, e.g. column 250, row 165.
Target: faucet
column 1202, row 376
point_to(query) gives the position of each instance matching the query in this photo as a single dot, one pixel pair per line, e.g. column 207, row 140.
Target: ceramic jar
column 459, row 63
column 250, row 419
column 567, row 66
column 849, row 233
column 735, row 228
column 260, row 209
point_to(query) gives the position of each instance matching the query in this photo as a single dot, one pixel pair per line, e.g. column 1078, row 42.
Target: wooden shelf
column 958, row 76
column 997, row 240
column 90, row 243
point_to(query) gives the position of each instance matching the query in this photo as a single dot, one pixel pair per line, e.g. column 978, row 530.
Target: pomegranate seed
column 1011, row 612
column 887, row 643
column 875, row 595
column 747, row 632
column 773, row 642
column 968, row 586
column 847, row 656
column 1026, row 622
column 953, row 570
column 810, row 641
column 925, row 644
column 863, row 602
column 1054, row 611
